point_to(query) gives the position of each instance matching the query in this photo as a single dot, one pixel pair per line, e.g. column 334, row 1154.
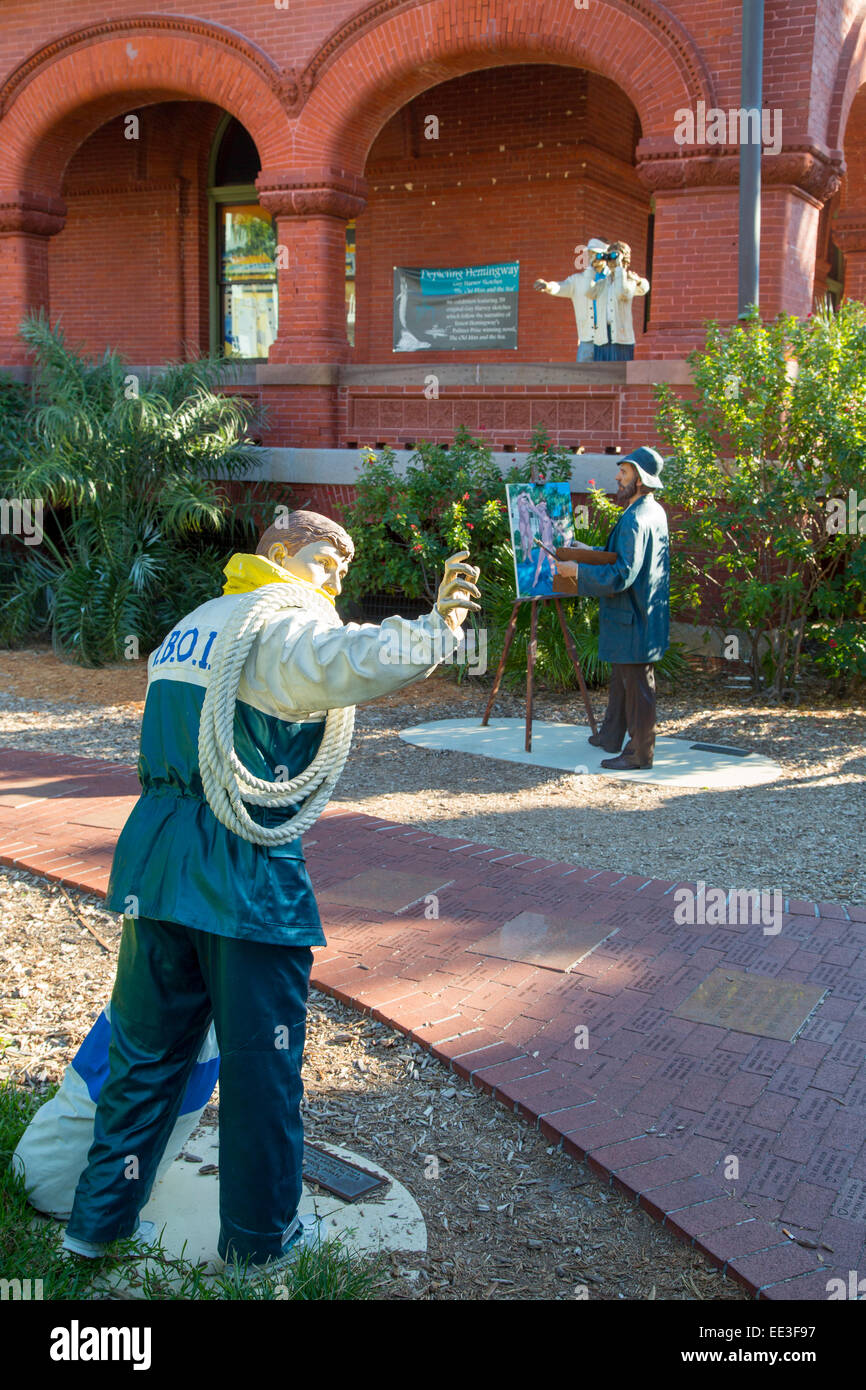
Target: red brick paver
column 741, row 1145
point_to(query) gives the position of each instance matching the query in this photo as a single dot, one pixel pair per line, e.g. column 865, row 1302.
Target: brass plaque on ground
column 346, row 1180
column 381, row 888
column 536, row 938
column 748, row 1003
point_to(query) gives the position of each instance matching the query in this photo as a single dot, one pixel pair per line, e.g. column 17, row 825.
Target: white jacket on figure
column 576, row 288
column 613, row 294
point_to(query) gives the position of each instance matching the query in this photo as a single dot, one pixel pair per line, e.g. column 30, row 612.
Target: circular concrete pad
column 677, row 763
column 184, row 1207
column 186, row 1202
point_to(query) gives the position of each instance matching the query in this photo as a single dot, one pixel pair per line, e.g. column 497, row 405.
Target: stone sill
column 481, row 374
column 340, row 467
column 388, row 375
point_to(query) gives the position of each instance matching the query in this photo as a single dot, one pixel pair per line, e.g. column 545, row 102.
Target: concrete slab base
column 184, row 1207
column 677, row 763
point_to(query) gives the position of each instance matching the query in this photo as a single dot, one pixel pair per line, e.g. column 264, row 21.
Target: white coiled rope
column 227, row 783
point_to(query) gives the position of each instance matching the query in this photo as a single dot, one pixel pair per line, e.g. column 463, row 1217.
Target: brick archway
column 380, row 60
column 64, row 91
column 846, row 131
column 850, row 77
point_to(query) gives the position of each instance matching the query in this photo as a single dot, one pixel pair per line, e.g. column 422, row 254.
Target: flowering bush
column 449, row 499
column 405, row 527
column 777, row 430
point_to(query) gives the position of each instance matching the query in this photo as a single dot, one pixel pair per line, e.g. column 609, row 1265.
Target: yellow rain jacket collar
column 247, row 572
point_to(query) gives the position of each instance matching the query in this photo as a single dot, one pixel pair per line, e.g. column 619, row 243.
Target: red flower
column 471, row 525
column 591, row 482
column 466, row 497
column 417, row 547
column 832, row 639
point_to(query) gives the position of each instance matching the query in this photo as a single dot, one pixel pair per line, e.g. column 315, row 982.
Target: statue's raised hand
column 458, row 590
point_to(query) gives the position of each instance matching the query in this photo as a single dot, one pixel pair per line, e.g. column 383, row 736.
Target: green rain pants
column 171, row 980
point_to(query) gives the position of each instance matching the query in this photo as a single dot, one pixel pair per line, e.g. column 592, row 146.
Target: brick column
column 849, row 233
column 695, row 252
column 311, row 209
column 27, row 222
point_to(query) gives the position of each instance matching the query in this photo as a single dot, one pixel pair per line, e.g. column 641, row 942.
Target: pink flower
column 471, row 525
column 591, row 482
column 466, row 497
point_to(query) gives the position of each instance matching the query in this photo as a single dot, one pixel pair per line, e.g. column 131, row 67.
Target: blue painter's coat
column 634, row 593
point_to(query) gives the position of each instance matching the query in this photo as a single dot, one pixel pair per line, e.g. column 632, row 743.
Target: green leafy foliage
column 776, row 431
column 124, row 471
column 405, row 527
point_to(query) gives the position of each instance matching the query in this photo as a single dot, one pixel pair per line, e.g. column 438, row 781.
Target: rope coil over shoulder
column 227, row 783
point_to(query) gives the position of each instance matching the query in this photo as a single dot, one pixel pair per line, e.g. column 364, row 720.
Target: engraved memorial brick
column 851, row 1202
column 537, row 938
column 776, row 1177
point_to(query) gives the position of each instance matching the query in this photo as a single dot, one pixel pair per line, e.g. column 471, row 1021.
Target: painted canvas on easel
column 541, row 519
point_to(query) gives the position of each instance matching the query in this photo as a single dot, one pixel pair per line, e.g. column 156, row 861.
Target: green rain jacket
column 174, row 861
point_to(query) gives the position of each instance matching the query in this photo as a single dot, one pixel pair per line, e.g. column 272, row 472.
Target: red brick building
column 251, row 175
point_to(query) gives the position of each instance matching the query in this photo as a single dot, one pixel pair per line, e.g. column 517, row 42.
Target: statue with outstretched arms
column 246, row 726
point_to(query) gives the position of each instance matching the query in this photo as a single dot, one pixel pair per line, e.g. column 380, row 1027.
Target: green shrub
column 405, row 527
column 133, row 521
column 777, row 429
column 449, row 499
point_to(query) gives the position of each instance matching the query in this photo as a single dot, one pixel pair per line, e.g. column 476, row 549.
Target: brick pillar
column 27, row 222
column 696, row 238
column 311, row 209
column 849, row 233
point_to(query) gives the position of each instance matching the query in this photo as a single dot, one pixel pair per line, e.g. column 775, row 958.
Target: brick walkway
column 659, row 1104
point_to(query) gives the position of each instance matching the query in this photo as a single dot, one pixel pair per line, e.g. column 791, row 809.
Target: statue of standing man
column 602, row 295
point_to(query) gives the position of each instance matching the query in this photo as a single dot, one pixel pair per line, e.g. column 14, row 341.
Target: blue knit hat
column 649, row 465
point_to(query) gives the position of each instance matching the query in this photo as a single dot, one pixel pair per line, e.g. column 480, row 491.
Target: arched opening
column 166, row 251
column 504, row 164
column 113, row 125
column 242, row 248
column 846, row 236
column 129, row 270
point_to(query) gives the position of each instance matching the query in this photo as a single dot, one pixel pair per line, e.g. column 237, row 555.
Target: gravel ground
column 803, row 834
column 507, row 1216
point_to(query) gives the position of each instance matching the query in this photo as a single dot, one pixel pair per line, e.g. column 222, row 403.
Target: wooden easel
column 567, row 587
column 531, row 653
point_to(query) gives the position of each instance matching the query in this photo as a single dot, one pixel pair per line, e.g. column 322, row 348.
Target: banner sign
column 463, row 309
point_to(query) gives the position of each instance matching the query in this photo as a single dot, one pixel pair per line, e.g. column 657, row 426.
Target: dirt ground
column 508, row 1217
column 802, row 834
